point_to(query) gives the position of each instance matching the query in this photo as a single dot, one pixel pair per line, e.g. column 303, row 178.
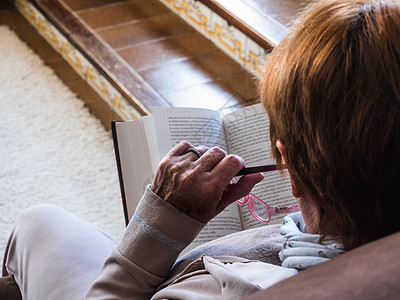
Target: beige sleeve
column 155, row 236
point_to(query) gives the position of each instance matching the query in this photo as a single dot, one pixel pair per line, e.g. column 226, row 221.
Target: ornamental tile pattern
column 227, row 37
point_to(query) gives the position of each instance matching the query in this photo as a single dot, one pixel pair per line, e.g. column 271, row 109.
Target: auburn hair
column 332, row 91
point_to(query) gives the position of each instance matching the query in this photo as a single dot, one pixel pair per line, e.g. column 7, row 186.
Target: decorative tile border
column 78, row 62
column 227, row 37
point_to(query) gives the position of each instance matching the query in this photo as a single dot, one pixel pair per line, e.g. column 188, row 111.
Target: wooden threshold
column 264, row 30
column 264, row 21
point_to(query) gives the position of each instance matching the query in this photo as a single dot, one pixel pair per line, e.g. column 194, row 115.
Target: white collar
column 302, row 250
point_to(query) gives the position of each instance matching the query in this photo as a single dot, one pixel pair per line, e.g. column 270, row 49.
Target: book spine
column 118, row 160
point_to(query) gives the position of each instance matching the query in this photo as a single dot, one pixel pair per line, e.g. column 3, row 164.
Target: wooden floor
column 283, row 11
column 182, row 66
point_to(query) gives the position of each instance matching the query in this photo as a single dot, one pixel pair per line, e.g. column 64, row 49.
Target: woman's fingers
column 227, row 168
column 194, row 153
column 200, row 187
column 180, row 149
column 240, row 189
column 210, row 159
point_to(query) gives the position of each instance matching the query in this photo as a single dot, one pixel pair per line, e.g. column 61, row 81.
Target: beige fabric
column 140, row 266
column 53, row 254
column 221, row 278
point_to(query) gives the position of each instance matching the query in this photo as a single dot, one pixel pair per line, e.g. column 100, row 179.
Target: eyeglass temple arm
column 286, row 209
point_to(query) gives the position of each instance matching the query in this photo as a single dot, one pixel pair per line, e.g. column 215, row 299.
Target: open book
column 141, row 144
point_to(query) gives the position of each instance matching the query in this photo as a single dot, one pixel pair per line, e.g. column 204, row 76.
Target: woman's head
column 332, row 92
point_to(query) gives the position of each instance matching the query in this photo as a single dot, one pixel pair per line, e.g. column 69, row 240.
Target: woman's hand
column 200, row 187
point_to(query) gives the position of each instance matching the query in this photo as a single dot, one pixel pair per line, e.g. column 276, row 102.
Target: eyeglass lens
column 260, row 209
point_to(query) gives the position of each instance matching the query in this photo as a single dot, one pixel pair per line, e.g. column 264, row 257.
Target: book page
column 135, row 162
column 196, row 125
column 247, row 133
column 152, row 144
column 199, row 127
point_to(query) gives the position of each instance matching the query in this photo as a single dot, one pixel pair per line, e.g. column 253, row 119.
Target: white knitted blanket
column 52, row 150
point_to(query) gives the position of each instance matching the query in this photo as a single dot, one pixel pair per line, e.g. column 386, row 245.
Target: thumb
column 242, row 188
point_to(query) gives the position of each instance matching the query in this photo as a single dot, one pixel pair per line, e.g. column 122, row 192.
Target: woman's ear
column 296, row 191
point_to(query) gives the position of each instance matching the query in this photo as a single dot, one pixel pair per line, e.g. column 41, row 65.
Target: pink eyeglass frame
column 271, row 211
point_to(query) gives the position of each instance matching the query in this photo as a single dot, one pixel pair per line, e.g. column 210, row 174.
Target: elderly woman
column 331, row 89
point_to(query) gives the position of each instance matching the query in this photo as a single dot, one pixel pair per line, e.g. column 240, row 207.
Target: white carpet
column 52, row 150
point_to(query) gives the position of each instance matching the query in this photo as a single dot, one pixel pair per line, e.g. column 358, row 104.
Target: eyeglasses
column 261, row 210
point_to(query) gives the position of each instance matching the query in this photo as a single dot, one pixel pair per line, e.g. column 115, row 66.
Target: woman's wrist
column 157, row 233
